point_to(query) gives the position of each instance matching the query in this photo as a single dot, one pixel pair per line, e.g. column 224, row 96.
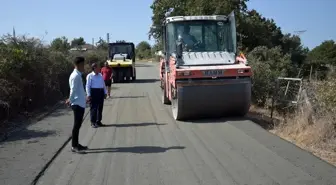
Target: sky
column 130, row 19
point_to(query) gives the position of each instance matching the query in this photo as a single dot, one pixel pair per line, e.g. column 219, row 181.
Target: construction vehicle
column 121, row 58
column 201, row 73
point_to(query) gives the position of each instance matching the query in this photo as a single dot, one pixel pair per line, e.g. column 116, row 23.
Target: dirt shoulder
column 318, row 138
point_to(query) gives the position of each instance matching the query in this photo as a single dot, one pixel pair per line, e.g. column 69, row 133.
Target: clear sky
column 130, row 19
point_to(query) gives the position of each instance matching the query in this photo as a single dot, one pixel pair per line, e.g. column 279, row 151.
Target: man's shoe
column 99, row 123
column 94, row 125
column 77, row 150
column 81, row 147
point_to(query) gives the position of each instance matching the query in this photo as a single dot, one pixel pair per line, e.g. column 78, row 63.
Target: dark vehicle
column 121, row 58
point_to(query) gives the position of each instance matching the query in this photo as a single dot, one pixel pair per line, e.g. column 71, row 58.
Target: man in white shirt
column 96, row 93
column 77, row 102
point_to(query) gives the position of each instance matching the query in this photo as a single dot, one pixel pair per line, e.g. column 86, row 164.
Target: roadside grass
column 317, row 136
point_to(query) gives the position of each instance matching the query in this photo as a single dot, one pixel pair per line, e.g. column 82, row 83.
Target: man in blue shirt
column 77, row 102
column 96, row 93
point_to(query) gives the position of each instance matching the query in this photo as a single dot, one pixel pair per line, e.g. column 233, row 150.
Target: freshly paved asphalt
column 142, row 144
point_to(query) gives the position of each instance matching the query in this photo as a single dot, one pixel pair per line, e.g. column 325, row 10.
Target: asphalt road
column 143, row 145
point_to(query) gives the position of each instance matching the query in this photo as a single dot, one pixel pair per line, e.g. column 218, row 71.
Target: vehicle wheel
column 177, row 109
column 128, row 78
column 134, row 77
column 120, row 77
column 165, row 100
column 115, row 79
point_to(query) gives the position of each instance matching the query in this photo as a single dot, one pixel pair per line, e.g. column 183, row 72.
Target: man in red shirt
column 106, row 71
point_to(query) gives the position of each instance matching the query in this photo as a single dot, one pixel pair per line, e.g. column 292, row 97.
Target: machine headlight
column 241, row 71
column 184, row 73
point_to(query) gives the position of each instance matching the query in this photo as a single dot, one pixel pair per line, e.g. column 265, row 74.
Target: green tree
column 143, row 50
column 156, row 47
column 191, row 7
column 252, row 28
column 268, row 64
column 257, row 31
column 76, row 42
column 321, row 60
column 324, row 54
column 60, row 44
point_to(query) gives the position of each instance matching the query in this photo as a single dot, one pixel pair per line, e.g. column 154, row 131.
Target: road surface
column 143, row 145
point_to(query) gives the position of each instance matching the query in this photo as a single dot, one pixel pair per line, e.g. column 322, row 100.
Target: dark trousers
column 96, row 105
column 78, row 119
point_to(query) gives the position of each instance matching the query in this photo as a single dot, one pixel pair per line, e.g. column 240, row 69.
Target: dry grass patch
column 318, row 138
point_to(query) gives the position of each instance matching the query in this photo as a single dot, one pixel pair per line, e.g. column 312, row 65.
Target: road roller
column 121, row 57
column 201, row 72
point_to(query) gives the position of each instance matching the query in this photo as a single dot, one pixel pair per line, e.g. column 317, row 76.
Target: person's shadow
column 135, row 149
column 133, row 124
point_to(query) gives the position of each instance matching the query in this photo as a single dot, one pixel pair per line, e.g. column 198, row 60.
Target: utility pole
column 299, row 33
column 14, row 32
column 93, row 43
column 108, row 38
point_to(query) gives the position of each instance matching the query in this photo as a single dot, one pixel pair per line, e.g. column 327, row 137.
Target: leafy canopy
column 78, row 42
column 60, row 44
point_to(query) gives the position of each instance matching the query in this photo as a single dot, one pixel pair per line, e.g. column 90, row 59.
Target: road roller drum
column 232, row 97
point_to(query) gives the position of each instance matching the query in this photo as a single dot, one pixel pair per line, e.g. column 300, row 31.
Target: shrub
column 267, row 64
column 325, row 95
column 31, row 75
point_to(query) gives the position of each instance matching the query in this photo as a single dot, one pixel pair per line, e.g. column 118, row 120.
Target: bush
column 33, row 76
column 325, row 95
column 97, row 56
column 267, row 64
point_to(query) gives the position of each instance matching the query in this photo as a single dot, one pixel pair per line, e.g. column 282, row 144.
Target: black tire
column 120, row 76
column 115, row 78
column 165, row 100
column 128, row 78
column 134, row 77
column 176, row 109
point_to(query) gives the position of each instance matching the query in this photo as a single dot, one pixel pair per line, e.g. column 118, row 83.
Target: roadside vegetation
column 35, row 75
